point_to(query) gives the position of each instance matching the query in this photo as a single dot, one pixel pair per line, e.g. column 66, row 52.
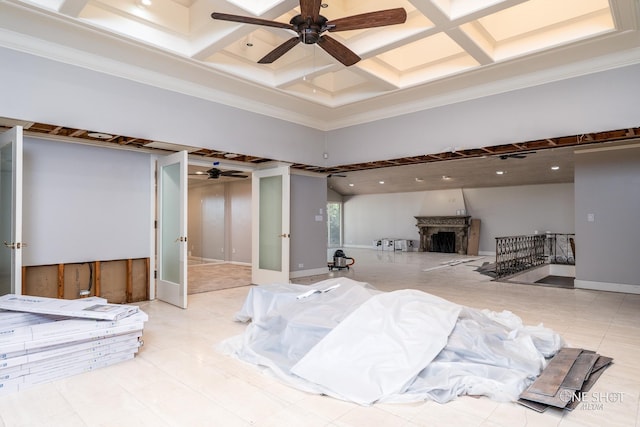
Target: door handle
column 181, row 239
column 17, row 245
column 285, row 235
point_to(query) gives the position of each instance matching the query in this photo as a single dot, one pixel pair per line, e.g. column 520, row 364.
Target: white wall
column 84, row 203
column 513, row 211
column 375, row 216
column 503, row 211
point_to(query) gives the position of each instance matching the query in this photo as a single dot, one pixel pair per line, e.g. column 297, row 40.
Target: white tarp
column 350, row 341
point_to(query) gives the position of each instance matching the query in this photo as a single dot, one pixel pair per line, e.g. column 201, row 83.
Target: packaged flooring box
column 45, row 339
column 83, row 308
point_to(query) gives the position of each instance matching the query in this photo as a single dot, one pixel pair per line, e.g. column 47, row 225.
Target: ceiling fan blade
column 380, row 18
column 250, row 20
column 310, row 8
column 279, row 51
column 338, row 50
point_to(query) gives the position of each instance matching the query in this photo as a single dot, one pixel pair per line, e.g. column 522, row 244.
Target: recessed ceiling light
column 351, row 185
column 500, row 172
column 99, row 135
column 555, row 168
column 381, row 182
column 446, row 177
column 145, row 3
column 419, row 179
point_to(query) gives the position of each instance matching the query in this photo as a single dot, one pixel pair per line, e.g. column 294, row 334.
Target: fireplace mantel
column 429, row 225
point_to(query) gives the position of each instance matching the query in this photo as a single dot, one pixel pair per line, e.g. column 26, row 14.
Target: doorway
column 219, row 229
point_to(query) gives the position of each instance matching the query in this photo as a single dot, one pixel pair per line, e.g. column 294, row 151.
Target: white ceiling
column 447, row 51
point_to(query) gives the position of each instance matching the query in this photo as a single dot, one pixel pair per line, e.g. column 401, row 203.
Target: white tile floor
column 179, row 379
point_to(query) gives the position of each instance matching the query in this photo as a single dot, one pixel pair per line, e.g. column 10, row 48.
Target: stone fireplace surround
column 429, row 225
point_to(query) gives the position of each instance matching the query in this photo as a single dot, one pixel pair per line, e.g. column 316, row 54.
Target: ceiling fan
column 310, row 26
column 215, row 173
column 520, row 155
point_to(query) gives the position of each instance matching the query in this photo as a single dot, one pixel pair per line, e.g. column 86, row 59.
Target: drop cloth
column 348, row 340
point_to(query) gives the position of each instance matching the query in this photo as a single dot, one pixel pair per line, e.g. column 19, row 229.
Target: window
column 334, row 224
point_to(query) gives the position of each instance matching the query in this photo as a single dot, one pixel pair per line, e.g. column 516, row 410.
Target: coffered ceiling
column 444, row 47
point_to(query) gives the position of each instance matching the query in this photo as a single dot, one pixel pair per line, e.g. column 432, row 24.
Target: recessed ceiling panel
column 338, row 81
column 419, row 53
column 538, row 15
column 540, row 24
column 255, row 7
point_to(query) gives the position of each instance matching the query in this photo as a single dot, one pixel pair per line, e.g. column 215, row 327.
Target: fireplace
column 443, row 233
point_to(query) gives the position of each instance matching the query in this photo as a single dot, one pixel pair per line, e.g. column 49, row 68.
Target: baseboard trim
column 604, row 286
column 306, row 273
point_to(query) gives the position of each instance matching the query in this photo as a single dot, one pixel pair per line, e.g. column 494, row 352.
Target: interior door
column 172, row 229
column 11, row 211
column 270, row 225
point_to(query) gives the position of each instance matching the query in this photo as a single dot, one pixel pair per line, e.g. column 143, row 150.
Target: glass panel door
column 270, row 234
column 172, row 229
column 11, row 215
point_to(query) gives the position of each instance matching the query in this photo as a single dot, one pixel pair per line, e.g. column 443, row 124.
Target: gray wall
column 84, row 203
column 219, row 221
column 308, row 225
column 47, row 91
column 206, row 221
column 239, row 220
column 607, row 187
column 52, row 92
column 513, row 211
column 502, row 211
column 573, row 106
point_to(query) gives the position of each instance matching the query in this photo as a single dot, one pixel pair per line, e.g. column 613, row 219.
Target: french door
column 270, row 225
column 11, row 211
column 172, row 229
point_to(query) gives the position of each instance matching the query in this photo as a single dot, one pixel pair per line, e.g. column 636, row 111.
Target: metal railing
column 519, row 253
column 560, row 248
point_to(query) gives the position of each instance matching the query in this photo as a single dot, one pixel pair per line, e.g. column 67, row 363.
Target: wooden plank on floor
column 580, row 370
column 549, row 381
column 601, row 363
column 562, row 397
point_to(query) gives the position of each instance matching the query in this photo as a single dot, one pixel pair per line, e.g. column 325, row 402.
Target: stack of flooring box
column 563, row 383
column 46, row 339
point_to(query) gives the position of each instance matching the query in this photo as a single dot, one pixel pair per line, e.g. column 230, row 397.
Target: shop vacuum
column 340, row 260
